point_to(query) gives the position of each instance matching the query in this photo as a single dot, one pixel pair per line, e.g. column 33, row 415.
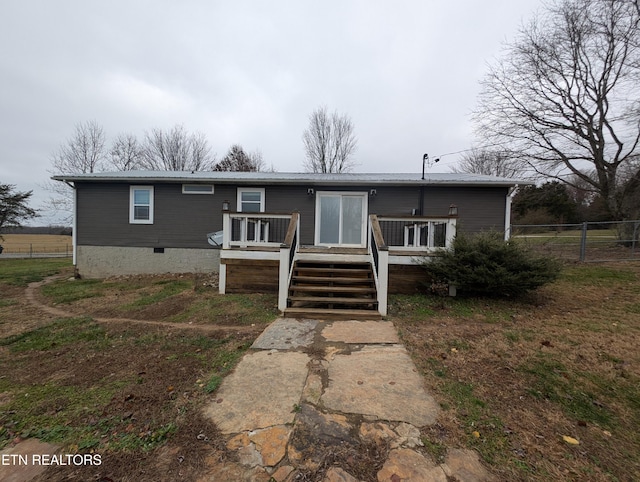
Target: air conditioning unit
column 215, row 239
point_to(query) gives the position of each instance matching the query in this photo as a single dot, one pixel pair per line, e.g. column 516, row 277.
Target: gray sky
column 250, row 72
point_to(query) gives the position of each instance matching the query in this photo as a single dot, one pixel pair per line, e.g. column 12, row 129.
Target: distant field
column 36, row 244
column 567, row 237
column 600, row 244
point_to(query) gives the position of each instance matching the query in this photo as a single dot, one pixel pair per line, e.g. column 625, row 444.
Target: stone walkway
column 17, row 462
column 320, row 396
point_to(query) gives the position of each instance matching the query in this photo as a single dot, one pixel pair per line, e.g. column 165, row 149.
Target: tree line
column 51, row 229
column 174, row 149
column 329, row 144
column 554, row 202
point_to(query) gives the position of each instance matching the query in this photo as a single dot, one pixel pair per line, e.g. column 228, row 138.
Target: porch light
column 373, row 192
column 453, row 210
column 225, row 205
column 310, row 191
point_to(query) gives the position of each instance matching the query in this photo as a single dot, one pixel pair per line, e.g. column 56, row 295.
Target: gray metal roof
column 450, row 179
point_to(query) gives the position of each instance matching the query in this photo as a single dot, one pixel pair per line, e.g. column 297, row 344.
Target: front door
column 341, row 219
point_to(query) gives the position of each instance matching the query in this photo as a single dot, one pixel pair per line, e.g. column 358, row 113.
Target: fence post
column 583, row 242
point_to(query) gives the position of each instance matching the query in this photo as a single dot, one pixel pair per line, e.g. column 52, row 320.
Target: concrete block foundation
column 105, row 261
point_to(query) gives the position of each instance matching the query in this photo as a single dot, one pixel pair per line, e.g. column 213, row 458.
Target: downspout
column 74, row 224
column 507, row 211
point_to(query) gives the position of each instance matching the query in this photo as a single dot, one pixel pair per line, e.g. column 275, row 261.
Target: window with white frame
column 197, row 189
column 250, row 200
column 141, row 205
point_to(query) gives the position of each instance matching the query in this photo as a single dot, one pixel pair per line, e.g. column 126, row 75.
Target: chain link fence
column 587, row 242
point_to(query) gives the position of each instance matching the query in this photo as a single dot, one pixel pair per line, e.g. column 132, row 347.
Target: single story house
column 323, row 242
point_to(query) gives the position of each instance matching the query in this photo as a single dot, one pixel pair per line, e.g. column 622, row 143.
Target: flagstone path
column 309, row 390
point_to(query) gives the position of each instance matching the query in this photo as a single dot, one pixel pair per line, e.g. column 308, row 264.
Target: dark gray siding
column 294, row 198
column 180, row 220
column 479, row 208
column 183, row 220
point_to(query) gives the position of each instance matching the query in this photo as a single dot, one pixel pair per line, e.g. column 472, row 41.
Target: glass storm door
column 340, row 219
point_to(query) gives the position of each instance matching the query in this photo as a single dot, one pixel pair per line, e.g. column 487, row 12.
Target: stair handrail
column 293, row 241
column 288, row 250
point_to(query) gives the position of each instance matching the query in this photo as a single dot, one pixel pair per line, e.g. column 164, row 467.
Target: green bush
column 484, row 264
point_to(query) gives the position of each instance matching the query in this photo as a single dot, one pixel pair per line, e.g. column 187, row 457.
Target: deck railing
column 414, row 233
column 403, row 237
column 398, row 237
column 254, row 229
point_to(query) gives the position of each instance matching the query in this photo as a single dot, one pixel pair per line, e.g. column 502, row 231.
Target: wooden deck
column 329, row 281
column 332, row 250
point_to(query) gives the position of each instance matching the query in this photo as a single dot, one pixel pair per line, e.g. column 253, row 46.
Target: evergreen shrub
column 486, row 265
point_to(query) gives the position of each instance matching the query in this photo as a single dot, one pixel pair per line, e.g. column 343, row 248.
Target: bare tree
column 493, row 163
column 329, row 142
column 238, row 160
column 565, row 96
column 176, row 150
column 126, row 153
column 84, row 152
column 630, row 188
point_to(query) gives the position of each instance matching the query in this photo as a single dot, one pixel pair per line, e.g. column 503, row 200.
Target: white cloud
column 145, row 98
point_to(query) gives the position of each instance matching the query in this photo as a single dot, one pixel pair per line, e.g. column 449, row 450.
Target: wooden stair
column 332, row 290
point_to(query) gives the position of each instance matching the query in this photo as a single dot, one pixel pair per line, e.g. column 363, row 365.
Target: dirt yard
column 546, row 388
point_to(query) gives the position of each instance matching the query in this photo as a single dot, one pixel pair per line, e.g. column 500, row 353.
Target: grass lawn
column 20, row 272
column 170, row 298
column 515, row 377
column 132, row 392
column 517, row 380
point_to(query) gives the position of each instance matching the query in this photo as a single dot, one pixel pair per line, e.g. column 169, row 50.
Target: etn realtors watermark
column 48, row 459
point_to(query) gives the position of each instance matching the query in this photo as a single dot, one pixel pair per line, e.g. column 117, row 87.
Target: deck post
column 380, row 262
column 226, row 237
column 383, row 280
column 283, row 277
column 451, row 232
column 226, row 229
column 222, row 278
column 289, row 247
